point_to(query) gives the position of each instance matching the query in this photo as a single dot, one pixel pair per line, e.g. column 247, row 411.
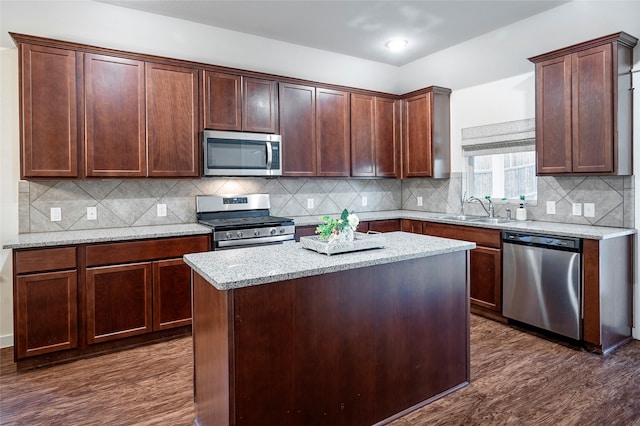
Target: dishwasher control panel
column 541, row 240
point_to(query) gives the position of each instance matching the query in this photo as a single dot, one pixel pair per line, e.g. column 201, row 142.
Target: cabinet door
column 417, row 137
column 413, row 226
column 48, row 112
column 114, row 116
column 388, row 225
column 222, row 101
column 46, row 313
column 332, row 132
column 172, row 120
column 119, row 302
column 259, row 105
column 386, row 146
column 363, row 131
column 486, row 278
column 305, row 231
column 592, row 110
column 553, row 116
column 298, row 129
column 171, row 294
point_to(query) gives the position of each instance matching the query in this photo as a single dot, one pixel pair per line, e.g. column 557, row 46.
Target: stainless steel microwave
column 242, row 154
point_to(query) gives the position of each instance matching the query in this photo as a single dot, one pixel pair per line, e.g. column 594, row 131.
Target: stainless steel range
column 243, row 221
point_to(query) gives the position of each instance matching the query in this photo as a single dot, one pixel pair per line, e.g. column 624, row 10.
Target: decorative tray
column 361, row 241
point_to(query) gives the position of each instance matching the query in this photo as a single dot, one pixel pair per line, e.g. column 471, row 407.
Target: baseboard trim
column 6, row 341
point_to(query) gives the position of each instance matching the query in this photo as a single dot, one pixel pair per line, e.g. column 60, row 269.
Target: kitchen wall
column 490, row 77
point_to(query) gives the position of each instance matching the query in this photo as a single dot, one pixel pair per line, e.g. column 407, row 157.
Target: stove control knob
column 229, row 235
column 272, row 231
column 282, row 230
column 239, row 234
column 256, row 232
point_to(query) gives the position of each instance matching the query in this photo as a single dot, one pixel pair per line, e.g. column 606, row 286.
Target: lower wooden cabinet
column 119, row 301
column 171, row 294
column 387, row 225
column 46, row 317
column 485, row 285
column 413, row 226
column 76, row 300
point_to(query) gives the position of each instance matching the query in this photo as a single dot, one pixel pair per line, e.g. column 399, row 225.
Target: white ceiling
column 354, row 28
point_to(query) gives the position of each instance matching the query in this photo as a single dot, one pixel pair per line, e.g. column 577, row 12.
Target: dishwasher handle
column 546, row 241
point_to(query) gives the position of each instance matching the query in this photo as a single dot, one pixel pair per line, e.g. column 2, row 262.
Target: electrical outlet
column 589, row 210
column 162, row 210
column 309, row 203
column 419, row 201
column 551, row 207
column 576, row 209
column 56, row 214
column 92, row 213
column 364, row 201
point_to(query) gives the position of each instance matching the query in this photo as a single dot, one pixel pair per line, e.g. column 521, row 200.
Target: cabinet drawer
column 40, row 260
column 480, row 236
column 136, row 251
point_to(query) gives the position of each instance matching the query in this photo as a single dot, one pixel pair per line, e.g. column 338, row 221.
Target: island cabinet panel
column 426, row 134
column 298, row 129
column 48, row 112
column 332, row 132
column 349, row 348
column 374, row 143
column 45, row 301
column 584, row 108
column 119, row 302
column 114, row 116
column 172, row 120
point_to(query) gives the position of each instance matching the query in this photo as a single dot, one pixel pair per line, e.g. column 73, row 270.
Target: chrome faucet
column 490, row 211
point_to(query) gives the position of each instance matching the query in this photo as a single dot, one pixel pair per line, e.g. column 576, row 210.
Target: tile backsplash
column 122, row 203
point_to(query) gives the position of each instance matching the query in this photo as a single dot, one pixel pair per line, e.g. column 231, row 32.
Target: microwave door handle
column 269, row 155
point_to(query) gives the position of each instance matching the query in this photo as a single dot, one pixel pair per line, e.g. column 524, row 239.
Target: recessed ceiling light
column 396, row 44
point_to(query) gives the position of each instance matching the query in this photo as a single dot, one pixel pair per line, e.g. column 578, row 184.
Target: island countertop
column 229, row 269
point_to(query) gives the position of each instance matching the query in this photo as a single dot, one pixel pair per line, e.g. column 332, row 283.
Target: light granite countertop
column 62, row 238
column 229, row 269
column 549, row 228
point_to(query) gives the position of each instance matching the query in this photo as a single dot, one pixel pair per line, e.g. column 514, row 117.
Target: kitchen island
column 284, row 335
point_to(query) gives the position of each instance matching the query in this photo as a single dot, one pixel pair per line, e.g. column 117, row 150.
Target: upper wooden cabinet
column 114, row 116
column 374, row 142
column 172, row 120
column 48, row 112
column 234, row 102
column 315, row 129
column 426, row 134
column 89, row 114
column 584, row 108
column 298, row 129
column 332, row 132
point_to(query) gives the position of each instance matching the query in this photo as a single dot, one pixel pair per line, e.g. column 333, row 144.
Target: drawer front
column 136, row 251
column 41, row 260
column 480, row 236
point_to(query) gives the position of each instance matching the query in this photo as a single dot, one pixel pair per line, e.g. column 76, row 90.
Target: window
column 507, row 175
column 501, row 160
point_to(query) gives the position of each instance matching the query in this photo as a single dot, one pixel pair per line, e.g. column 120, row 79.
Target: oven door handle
column 256, row 241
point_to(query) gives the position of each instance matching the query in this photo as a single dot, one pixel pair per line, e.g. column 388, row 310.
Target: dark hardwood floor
column 516, row 378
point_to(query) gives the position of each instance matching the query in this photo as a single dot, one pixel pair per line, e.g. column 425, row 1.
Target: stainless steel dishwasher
column 542, row 281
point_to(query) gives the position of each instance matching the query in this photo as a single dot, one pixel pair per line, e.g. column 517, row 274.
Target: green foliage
column 331, row 226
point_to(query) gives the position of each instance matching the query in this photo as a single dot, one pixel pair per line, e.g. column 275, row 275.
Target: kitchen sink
column 492, row 220
column 460, row 217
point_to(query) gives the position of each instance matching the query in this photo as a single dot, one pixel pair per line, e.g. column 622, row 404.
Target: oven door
column 253, row 242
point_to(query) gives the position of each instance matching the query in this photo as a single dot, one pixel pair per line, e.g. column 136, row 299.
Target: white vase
column 348, row 234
